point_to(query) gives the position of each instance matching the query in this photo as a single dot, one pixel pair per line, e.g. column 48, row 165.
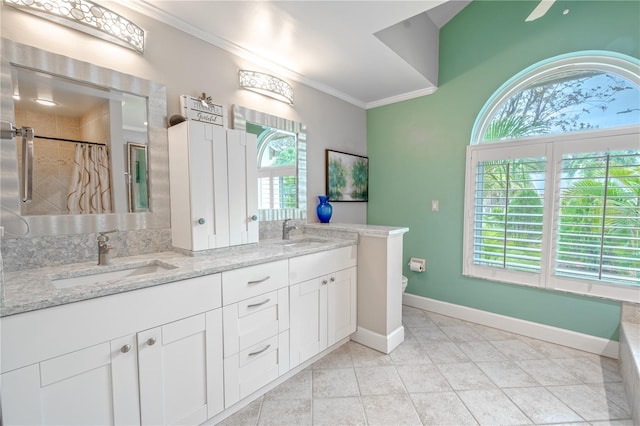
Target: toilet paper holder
column 417, row 264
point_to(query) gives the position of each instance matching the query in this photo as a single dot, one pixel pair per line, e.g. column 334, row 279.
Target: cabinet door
column 208, row 174
column 342, row 305
column 243, row 187
column 308, row 323
column 97, row 385
column 181, row 370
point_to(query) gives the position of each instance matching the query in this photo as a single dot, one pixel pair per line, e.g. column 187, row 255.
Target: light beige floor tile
column 517, row 349
column 338, row 411
column 461, row 333
column 379, row 380
column 385, row 410
column 408, row 336
column 551, row 350
column 548, row 373
column 507, row 374
column 419, row 319
column 363, row 356
column 584, row 369
column 493, row 407
column 541, row 406
column 627, row 422
column 429, row 334
column 465, row 376
column 443, row 320
column 481, row 351
column 441, row 408
column 423, row 378
column 490, row 333
column 411, row 311
column 589, row 404
column 248, row 416
column 334, row 383
column 297, row 387
column 339, row 358
column 445, row 352
column 410, row 354
column 288, row 412
column 614, row 392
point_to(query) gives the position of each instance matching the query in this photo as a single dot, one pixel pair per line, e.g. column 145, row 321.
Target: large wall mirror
column 282, row 163
column 104, row 121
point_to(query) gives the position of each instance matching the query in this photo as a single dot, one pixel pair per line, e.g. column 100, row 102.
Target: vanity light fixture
column 266, row 84
column 88, row 17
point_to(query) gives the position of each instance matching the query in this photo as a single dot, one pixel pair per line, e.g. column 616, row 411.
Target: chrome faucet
column 104, row 248
column 286, row 229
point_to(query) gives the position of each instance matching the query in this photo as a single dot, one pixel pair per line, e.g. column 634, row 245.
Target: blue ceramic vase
column 324, row 209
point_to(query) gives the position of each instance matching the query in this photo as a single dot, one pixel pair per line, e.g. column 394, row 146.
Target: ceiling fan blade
column 540, row 10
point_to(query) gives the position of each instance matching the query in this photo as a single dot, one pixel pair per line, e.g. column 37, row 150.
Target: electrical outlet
column 435, row 205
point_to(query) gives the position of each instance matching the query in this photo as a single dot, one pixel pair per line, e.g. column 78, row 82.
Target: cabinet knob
column 151, row 341
column 254, row 218
column 332, row 279
column 125, row 349
column 324, row 282
column 201, row 221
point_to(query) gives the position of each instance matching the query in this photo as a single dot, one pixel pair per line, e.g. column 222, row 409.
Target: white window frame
column 552, row 147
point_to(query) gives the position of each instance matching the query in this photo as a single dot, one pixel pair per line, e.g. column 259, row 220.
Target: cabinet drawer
column 251, row 321
column 307, row 267
column 254, row 367
column 252, row 281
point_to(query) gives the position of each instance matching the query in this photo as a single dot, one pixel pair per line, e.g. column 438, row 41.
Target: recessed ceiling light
column 45, row 102
column 565, row 12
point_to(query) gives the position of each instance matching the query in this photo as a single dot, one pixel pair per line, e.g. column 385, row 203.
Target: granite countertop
column 361, row 229
column 29, row 290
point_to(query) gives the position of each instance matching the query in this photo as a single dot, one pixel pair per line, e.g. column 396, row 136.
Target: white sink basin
column 300, row 242
column 93, row 276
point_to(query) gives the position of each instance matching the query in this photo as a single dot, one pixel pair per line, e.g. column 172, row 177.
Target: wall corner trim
column 580, row 341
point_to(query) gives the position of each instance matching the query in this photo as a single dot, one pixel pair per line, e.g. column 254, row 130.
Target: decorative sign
column 194, row 109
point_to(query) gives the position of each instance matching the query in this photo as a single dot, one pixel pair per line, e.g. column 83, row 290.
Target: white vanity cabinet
column 85, row 363
column 256, row 327
column 322, row 301
column 213, row 184
column 94, row 385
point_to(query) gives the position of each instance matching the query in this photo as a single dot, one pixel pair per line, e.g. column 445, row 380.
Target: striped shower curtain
column 90, row 187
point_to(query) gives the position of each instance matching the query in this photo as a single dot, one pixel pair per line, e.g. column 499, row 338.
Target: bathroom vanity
column 181, row 342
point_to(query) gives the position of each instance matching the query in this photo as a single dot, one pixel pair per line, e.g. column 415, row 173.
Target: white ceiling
column 328, row 45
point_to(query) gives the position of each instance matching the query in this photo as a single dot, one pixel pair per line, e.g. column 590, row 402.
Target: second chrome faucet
column 286, row 229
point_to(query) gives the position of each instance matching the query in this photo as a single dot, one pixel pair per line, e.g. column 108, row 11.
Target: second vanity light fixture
column 88, row 17
column 266, row 84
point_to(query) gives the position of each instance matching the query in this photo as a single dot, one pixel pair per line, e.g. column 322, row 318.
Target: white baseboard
column 583, row 342
column 377, row 341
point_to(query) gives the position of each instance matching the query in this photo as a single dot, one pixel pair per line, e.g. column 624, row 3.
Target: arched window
column 552, row 195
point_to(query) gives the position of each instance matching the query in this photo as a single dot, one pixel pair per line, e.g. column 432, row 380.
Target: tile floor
column 448, row 372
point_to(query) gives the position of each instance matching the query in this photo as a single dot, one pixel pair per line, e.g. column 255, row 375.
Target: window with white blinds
column 509, row 205
column 277, row 188
column 557, row 213
column 552, row 183
column 599, row 217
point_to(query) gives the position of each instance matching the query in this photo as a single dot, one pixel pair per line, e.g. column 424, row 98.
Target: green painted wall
column 416, row 149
